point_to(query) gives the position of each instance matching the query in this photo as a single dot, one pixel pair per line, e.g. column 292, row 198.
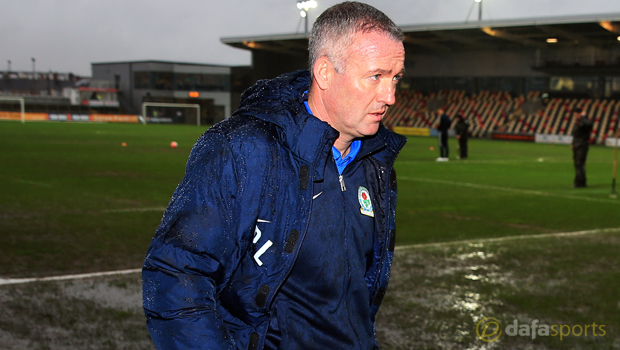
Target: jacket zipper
column 387, row 224
column 342, row 186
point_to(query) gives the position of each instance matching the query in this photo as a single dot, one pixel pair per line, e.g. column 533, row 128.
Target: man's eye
column 375, row 77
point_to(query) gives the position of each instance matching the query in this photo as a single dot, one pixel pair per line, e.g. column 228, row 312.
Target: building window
column 162, row 80
column 576, row 84
column 212, row 82
column 185, row 81
column 142, row 80
column 536, row 84
column 181, row 81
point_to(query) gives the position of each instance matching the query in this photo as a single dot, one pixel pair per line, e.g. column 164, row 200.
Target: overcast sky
column 67, row 35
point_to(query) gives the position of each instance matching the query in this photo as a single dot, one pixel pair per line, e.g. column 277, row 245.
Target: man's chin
column 371, row 130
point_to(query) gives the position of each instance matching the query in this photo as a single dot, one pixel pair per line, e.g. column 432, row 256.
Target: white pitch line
column 554, row 160
column 511, row 238
column 36, row 183
column 134, row 210
column 7, row 281
column 550, row 159
column 508, row 189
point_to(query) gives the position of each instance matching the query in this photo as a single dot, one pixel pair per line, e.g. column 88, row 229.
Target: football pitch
column 492, row 252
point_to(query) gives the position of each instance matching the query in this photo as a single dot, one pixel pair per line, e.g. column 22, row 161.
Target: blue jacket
column 213, row 267
column 444, row 123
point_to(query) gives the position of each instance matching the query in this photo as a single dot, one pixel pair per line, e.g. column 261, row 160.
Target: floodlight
column 304, row 6
column 552, row 40
column 479, row 2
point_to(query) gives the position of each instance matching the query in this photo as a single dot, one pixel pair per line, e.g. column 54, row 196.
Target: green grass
column 502, row 189
column 74, row 200
column 66, row 186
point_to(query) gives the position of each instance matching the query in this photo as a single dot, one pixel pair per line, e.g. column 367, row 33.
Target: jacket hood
column 280, row 101
column 274, row 100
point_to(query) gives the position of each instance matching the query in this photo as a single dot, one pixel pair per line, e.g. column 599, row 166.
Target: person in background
column 462, row 133
column 580, row 145
column 281, row 234
column 442, row 128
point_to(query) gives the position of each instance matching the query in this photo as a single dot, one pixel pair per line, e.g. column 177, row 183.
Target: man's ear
column 322, row 70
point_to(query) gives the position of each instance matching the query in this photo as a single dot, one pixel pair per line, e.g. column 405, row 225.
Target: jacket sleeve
column 194, row 250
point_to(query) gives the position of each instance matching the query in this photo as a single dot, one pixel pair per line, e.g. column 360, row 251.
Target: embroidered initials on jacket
column 264, row 247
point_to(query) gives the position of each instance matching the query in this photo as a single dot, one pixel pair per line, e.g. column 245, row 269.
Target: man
column 442, row 127
column 281, row 234
column 580, row 146
column 462, row 133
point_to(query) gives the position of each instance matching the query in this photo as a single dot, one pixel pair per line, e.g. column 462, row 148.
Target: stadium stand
column 492, row 112
column 513, row 78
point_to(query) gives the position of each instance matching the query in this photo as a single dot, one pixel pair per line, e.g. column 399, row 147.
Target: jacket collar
column 384, row 145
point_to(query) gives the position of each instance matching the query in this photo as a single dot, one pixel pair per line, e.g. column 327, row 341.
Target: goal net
column 170, row 113
column 7, row 100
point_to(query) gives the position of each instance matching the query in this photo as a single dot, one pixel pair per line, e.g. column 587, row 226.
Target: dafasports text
column 490, row 329
column 533, row 329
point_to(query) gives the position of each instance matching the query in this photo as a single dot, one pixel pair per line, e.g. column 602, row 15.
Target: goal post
column 613, row 179
column 176, row 106
column 22, row 105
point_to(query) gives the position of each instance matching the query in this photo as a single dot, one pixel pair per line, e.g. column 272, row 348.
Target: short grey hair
column 335, row 29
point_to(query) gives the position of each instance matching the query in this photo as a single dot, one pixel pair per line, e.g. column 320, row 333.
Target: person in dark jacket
column 442, row 127
column 281, row 234
column 580, row 145
column 462, row 134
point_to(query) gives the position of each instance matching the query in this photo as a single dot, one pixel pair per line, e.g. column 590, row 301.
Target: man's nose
column 386, row 94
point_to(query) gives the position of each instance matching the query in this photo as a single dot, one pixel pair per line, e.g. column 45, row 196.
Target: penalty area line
column 510, row 238
column 134, row 210
column 508, row 189
column 7, row 281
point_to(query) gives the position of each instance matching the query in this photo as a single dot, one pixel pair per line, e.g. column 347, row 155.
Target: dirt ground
column 435, row 299
column 94, row 313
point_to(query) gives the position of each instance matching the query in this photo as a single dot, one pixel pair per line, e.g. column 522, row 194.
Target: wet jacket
column 214, row 266
column 581, row 132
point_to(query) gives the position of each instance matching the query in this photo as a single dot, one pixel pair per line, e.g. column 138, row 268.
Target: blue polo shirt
column 325, row 301
column 341, row 162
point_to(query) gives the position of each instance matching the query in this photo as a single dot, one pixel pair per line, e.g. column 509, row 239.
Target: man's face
column 358, row 98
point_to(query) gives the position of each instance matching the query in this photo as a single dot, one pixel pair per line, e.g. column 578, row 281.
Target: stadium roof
column 600, row 31
column 163, row 62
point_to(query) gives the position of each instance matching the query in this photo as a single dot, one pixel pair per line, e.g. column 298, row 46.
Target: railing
column 15, row 75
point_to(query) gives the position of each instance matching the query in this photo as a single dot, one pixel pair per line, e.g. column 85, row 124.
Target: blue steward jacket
column 212, row 270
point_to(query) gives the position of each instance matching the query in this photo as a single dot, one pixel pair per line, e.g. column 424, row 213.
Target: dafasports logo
column 489, row 329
